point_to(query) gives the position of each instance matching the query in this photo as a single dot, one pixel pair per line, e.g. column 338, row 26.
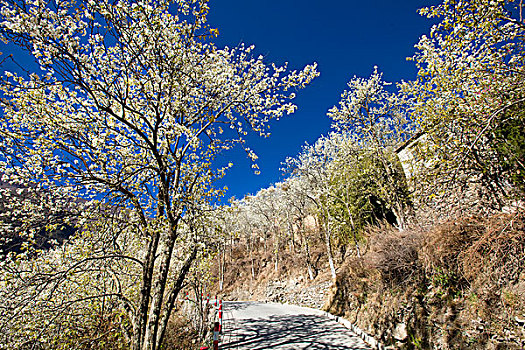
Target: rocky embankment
column 297, row 291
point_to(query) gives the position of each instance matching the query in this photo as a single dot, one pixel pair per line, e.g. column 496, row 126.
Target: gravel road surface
column 253, row 325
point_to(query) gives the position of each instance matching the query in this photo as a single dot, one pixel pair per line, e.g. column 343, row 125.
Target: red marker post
column 220, row 316
column 216, row 336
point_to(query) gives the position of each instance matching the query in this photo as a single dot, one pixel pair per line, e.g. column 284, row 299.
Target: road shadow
column 290, row 332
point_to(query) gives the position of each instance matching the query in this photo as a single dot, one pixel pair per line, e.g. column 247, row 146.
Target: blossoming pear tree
column 468, row 100
column 377, row 121
column 320, row 171
column 126, row 107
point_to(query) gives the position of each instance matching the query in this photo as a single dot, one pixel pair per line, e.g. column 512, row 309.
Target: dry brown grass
column 355, row 279
column 498, row 253
column 477, row 251
column 395, row 254
column 471, row 251
column 445, row 243
column 180, row 335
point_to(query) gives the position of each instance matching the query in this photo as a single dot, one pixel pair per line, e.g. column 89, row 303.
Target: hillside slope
column 457, row 285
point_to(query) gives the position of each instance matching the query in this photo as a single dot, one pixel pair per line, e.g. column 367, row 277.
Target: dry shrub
column 498, row 254
column 477, row 250
column 444, row 245
column 395, row 253
column 354, row 273
column 180, row 335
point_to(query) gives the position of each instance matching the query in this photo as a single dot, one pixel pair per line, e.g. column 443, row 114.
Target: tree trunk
column 159, row 290
column 354, row 234
column 308, row 260
column 222, row 258
column 292, row 238
column 172, row 297
column 400, row 216
column 141, row 314
column 328, row 242
column 304, row 240
column 392, row 194
column 250, row 245
column 277, row 253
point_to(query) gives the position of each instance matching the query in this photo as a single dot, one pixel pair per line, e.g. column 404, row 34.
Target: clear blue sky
column 345, row 38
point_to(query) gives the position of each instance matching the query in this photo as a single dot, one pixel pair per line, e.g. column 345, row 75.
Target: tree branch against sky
column 345, row 42
column 468, row 100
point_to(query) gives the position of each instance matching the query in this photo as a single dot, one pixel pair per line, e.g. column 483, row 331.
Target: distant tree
column 299, row 212
column 355, row 178
column 377, row 121
column 251, row 228
column 346, row 182
column 127, row 109
column 312, row 166
column 267, row 207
